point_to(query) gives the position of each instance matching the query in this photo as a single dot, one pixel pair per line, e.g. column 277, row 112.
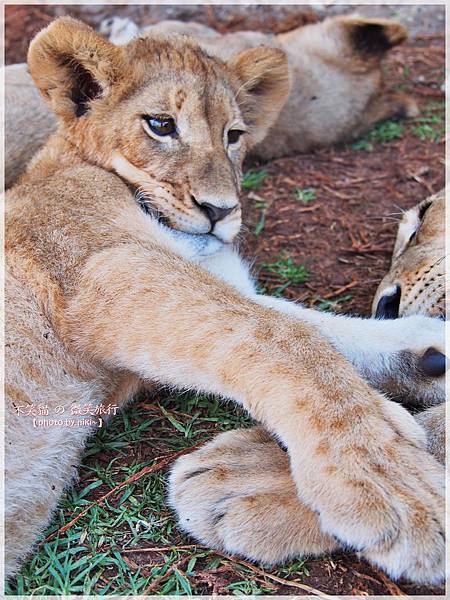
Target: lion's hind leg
column 236, row 494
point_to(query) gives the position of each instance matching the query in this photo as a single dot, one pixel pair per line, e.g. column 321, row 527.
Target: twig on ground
column 160, row 549
column 339, row 291
column 155, row 583
column 280, row 580
column 142, row 473
column 390, row 585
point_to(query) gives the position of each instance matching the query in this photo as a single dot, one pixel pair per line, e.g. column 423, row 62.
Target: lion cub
column 103, row 295
column 337, row 89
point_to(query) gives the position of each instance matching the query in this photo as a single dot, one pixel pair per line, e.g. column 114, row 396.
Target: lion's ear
column 371, row 37
column 72, row 65
column 264, row 87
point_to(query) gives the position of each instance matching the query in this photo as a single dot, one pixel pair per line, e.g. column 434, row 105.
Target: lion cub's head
column 416, row 281
column 172, row 121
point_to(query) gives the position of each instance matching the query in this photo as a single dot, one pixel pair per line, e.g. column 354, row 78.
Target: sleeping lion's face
column 416, row 281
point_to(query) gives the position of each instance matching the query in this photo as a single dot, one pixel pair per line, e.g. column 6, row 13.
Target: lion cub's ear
column 264, row 77
column 72, row 65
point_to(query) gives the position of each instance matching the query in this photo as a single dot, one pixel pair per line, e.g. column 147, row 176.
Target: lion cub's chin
column 196, row 245
column 223, row 233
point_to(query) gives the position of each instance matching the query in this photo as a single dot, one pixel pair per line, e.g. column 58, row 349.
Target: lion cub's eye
column 161, row 125
column 234, row 135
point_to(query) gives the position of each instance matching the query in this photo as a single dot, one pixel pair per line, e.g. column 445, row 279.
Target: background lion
column 416, row 283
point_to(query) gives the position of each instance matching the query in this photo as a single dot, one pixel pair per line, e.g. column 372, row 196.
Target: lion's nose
column 215, row 213
column 389, row 304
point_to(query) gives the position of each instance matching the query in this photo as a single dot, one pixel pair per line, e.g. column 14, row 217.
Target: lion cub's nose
column 215, row 213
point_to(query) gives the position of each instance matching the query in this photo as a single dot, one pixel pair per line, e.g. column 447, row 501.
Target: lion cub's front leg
column 237, row 494
column 356, row 459
column 389, row 354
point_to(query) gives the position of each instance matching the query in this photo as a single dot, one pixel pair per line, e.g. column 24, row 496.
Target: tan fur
column 247, row 501
column 337, row 85
column 433, row 421
column 28, row 122
column 99, row 296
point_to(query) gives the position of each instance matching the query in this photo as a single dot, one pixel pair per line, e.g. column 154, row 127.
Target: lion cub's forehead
column 176, row 57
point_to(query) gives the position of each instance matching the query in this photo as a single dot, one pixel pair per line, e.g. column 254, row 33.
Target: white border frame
column 2, row 150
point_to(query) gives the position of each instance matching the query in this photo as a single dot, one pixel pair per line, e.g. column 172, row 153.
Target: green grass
column 430, row 125
column 425, row 130
column 254, row 179
column 88, row 558
column 381, row 134
column 363, row 145
column 286, row 272
column 387, row 131
column 92, row 556
column 305, row 195
column 406, row 72
column 261, row 205
column 332, row 304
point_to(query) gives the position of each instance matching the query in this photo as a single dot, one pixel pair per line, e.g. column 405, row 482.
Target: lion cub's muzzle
column 228, row 228
column 224, row 217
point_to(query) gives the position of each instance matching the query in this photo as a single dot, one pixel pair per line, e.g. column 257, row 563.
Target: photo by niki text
column 59, row 417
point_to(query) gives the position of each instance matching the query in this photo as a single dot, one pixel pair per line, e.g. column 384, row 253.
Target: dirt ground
column 334, row 211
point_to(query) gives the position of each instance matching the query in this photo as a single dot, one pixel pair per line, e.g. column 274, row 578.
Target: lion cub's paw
column 236, row 494
column 417, row 371
column 433, row 421
column 413, row 547
column 418, row 551
column 388, row 501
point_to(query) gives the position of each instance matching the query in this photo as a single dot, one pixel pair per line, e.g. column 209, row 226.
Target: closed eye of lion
column 120, row 269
